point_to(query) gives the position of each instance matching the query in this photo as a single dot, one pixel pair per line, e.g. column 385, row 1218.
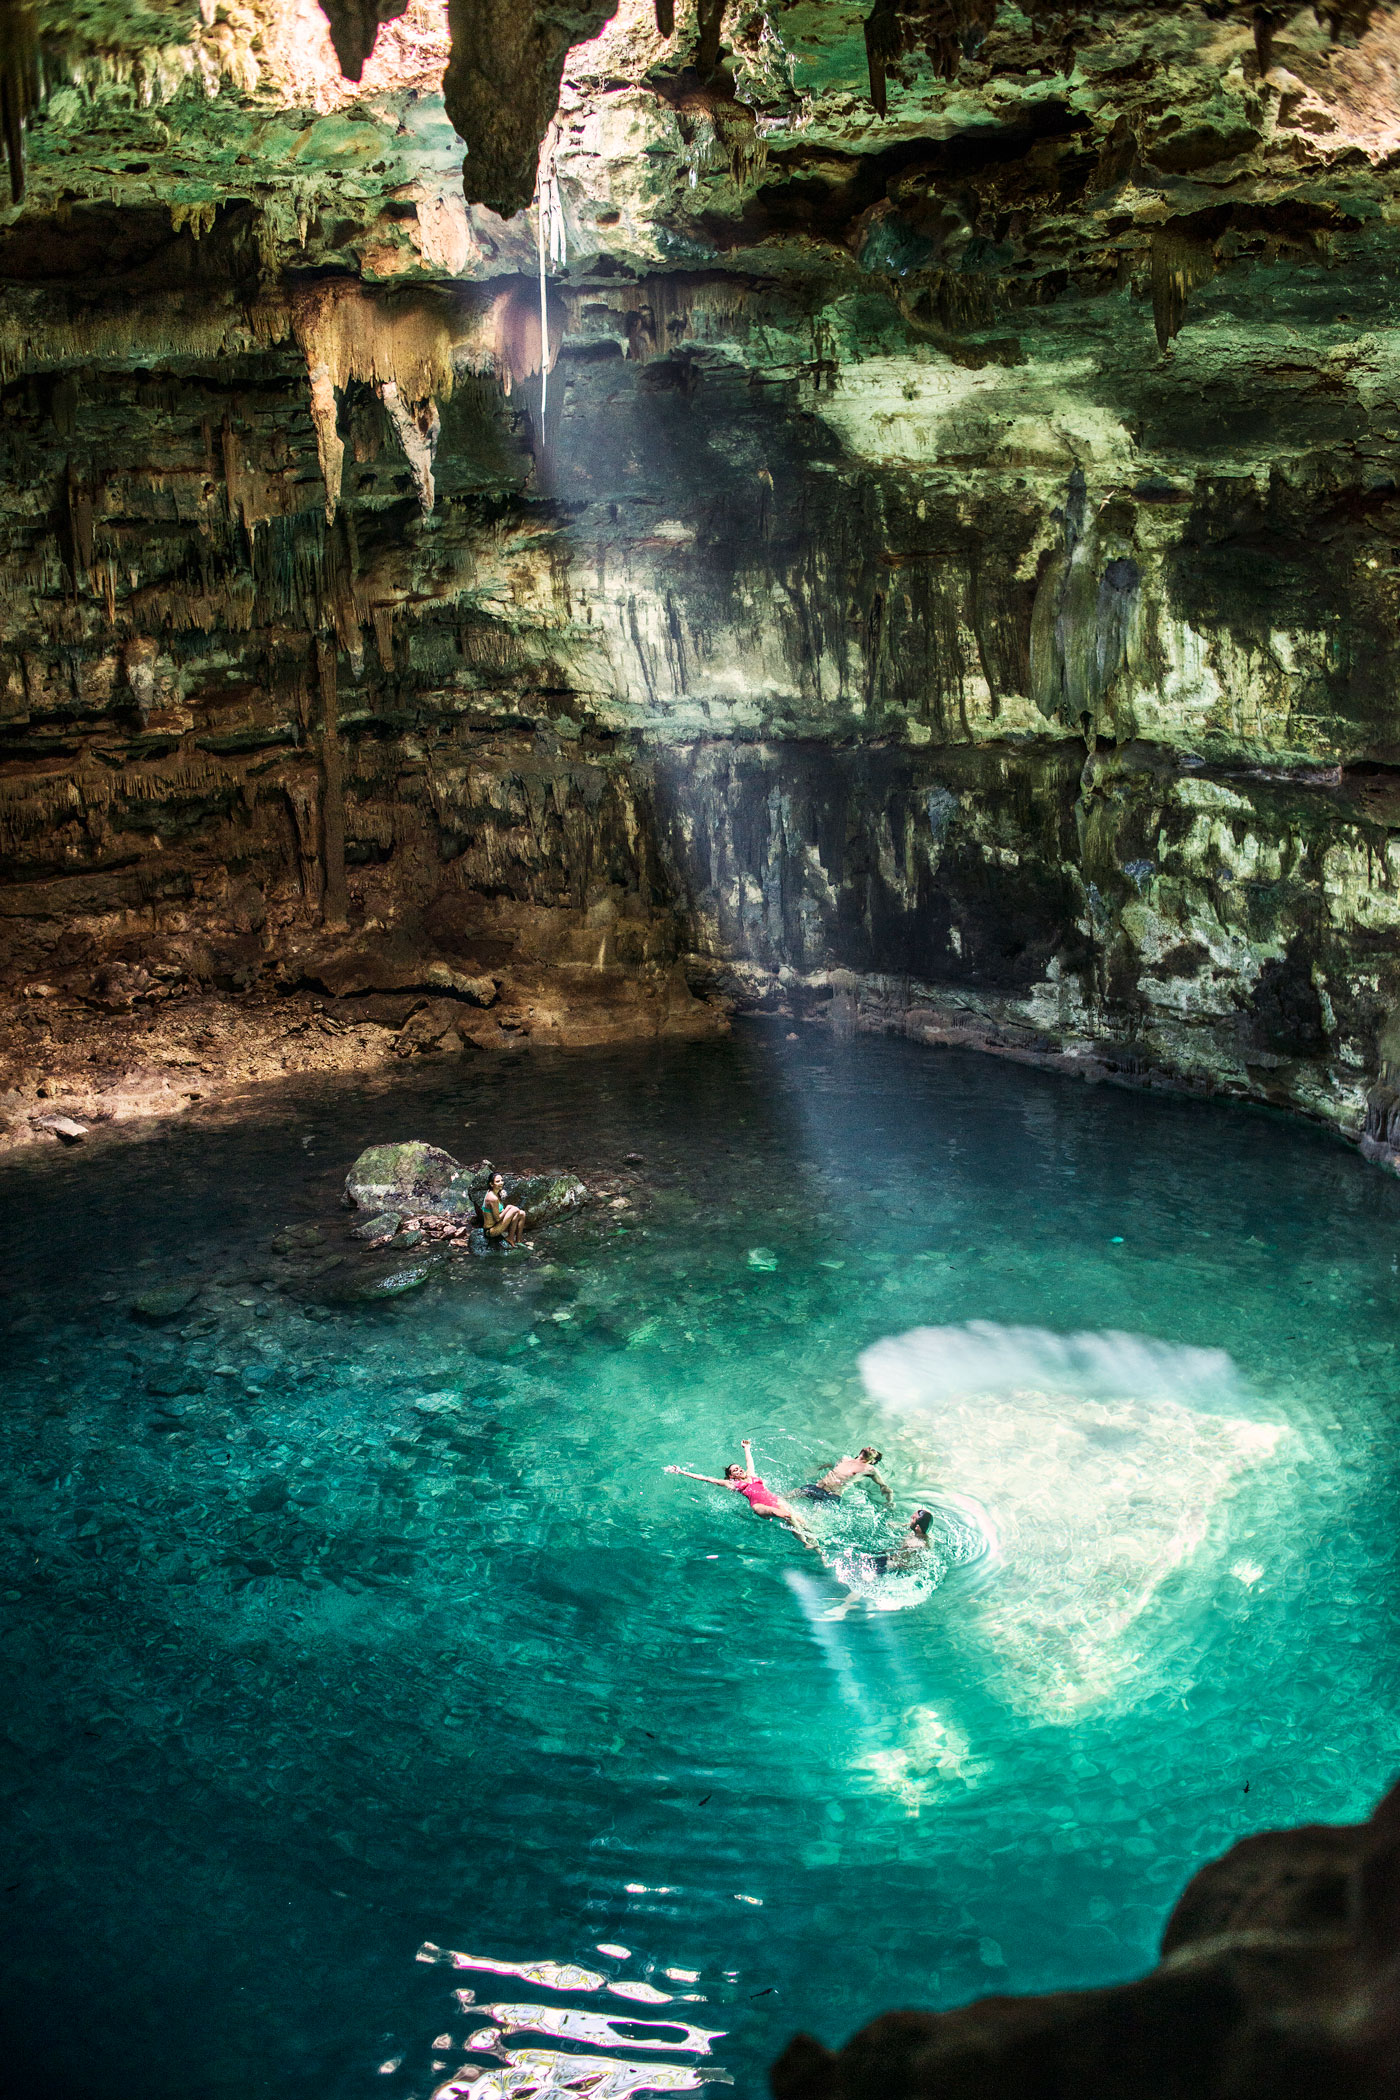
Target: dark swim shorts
column 818, row 1494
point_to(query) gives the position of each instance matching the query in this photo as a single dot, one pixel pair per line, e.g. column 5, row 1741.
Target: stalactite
column 199, row 218
column 330, row 446
column 304, row 801
column 355, row 25
column 656, row 313
column 883, row 42
column 19, row 84
column 41, row 331
column 710, row 15
column 80, row 525
column 515, row 334
column 417, row 429
column 666, row 17
column 336, row 906
column 1178, row 265
column 139, row 662
column 944, row 29
column 401, row 344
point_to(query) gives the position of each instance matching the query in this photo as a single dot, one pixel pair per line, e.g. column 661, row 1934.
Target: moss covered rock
column 406, row 1177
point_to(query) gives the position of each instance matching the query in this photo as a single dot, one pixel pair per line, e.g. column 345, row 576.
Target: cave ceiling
column 1021, row 158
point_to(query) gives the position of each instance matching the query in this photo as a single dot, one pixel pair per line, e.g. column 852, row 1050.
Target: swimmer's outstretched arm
column 749, row 1473
column 883, row 1485
column 708, row 1478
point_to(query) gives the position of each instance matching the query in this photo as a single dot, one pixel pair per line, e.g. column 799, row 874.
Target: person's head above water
column 920, row 1521
column 733, row 1472
column 870, row 1455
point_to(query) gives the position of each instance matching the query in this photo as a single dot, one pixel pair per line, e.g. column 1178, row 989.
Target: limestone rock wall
column 933, row 568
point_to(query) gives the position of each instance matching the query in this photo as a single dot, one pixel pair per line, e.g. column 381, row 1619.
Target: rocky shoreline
column 69, row 1071
column 65, row 1061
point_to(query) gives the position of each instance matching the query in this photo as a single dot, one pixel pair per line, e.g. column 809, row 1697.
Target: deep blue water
column 391, row 1629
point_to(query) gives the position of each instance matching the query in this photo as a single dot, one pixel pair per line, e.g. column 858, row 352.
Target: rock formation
column 902, row 531
column 1278, row 1977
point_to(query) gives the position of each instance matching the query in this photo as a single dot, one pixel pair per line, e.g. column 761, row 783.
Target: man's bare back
column 839, row 1477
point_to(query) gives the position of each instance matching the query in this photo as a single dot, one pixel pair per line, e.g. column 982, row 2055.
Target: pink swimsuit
column 756, row 1494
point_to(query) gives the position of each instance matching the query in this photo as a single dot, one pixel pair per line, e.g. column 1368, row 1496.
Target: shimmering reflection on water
column 330, row 1636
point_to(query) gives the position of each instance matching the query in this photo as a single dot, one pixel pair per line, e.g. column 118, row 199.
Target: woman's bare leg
column 786, row 1514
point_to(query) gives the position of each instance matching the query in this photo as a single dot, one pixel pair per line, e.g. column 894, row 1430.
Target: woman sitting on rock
column 502, row 1220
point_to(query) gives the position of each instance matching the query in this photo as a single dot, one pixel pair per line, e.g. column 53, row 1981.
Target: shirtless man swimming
column 761, row 1500
column 845, row 1470
column 911, row 1548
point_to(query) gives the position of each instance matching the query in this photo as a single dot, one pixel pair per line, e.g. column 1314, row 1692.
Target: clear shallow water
column 392, row 1630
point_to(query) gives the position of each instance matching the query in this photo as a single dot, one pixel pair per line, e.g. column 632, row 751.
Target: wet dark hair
column 871, row 1456
column 920, row 1522
column 733, row 1472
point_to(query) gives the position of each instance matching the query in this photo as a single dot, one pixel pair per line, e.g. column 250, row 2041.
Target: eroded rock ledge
column 1280, row 1976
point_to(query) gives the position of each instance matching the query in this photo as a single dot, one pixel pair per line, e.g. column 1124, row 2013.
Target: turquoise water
column 390, row 1629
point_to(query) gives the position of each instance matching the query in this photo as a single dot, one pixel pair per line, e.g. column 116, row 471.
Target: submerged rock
column 173, row 1379
column 366, row 1286
column 165, row 1301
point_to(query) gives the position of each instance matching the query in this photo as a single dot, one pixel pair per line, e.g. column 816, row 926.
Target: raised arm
column 749, row 1473
column 708, row 1478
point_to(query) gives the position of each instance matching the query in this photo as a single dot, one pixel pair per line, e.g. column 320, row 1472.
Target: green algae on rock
column 412, row 1173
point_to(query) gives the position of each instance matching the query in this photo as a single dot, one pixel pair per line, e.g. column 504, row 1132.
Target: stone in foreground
column 1279, row 1980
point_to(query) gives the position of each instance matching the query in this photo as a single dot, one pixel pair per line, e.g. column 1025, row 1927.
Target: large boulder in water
column 409, row 1177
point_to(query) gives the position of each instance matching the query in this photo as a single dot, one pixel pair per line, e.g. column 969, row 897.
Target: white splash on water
column 1105, row 1462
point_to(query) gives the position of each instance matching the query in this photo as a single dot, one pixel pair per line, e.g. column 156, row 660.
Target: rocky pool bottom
column 335, row 1630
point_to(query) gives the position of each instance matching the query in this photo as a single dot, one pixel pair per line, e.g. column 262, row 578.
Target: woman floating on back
column 742, row 1480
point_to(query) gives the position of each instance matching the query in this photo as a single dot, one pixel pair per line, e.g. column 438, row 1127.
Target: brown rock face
column 1280, row 1976
column 502, row 87
column 354, row 27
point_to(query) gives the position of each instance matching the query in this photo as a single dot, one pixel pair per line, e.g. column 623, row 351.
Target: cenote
column 333, row 1634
